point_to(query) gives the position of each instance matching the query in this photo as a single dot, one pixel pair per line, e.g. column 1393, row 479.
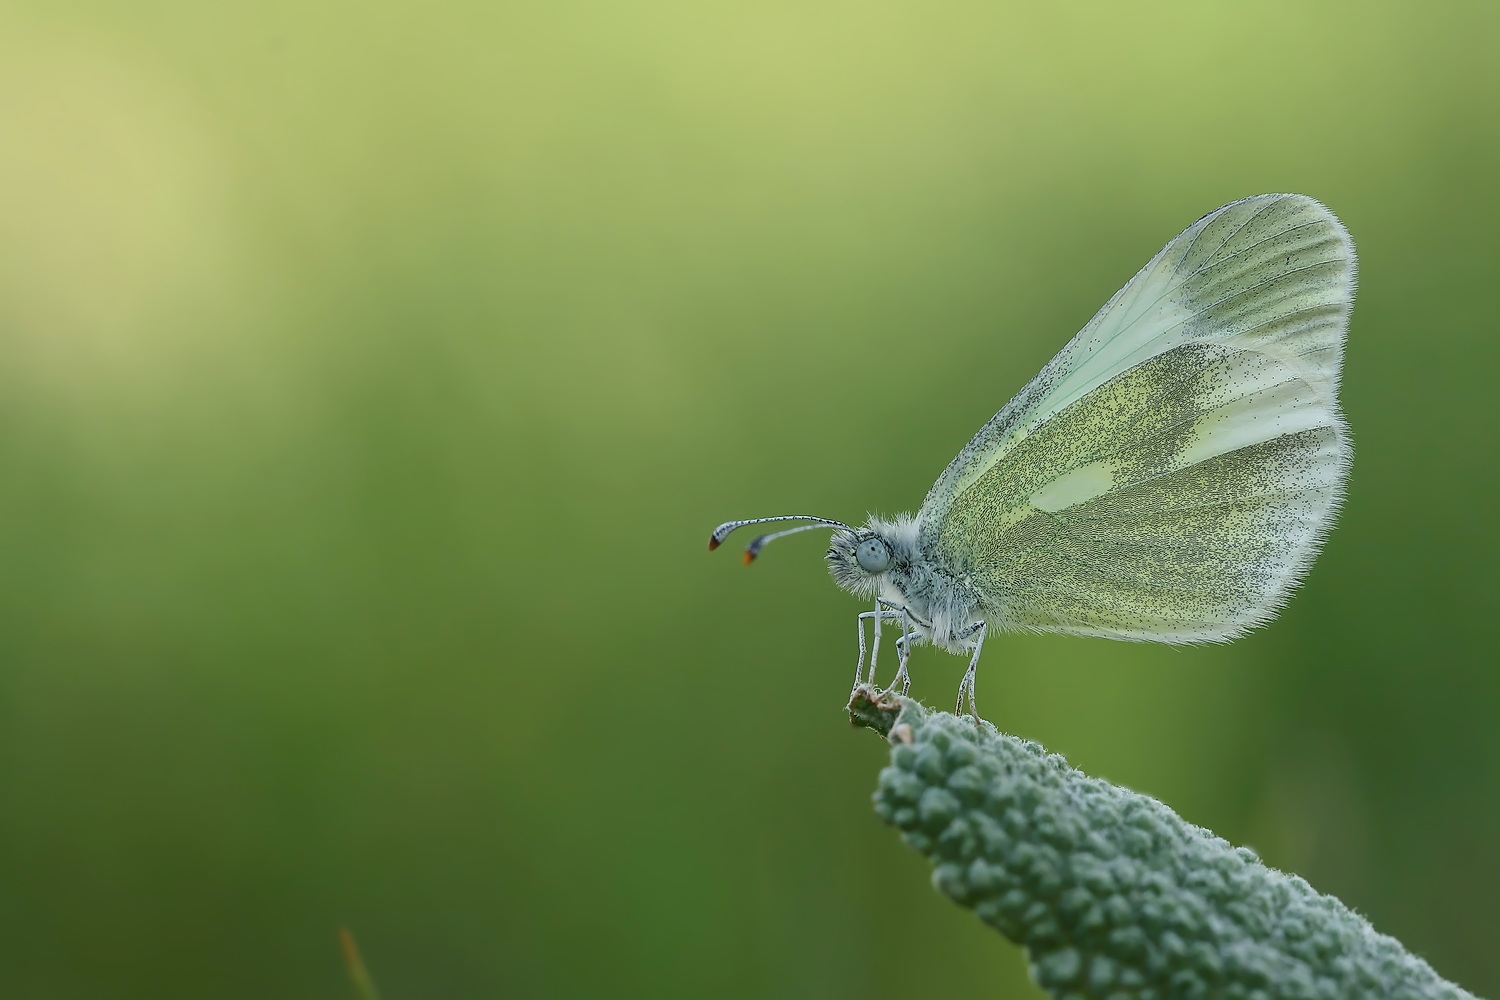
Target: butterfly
column 1169, row 476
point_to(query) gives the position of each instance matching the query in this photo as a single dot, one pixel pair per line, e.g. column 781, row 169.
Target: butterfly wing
column 1171, row 474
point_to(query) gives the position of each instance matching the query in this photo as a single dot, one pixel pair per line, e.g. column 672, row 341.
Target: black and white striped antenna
column 759, row 541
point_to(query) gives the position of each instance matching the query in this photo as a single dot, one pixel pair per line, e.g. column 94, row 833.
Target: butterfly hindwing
column 1170, row 473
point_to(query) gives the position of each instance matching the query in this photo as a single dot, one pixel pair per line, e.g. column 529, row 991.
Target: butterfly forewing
column 1170, row 473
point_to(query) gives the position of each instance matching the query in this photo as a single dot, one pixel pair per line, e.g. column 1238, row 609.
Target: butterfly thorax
column 885, row 559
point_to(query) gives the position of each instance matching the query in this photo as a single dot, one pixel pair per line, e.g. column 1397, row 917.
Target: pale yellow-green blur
column 371, row 375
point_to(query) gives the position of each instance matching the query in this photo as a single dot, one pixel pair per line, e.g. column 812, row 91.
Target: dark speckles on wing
column 1170, row 473
column 1194, row 548
column 1178, row 546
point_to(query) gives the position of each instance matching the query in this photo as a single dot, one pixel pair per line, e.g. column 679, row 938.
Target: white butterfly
column 1169, row 476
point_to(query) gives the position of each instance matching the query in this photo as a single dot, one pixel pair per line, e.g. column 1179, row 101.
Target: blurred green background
column 371, row 375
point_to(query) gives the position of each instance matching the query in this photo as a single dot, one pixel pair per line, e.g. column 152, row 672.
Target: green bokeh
column 371, row 375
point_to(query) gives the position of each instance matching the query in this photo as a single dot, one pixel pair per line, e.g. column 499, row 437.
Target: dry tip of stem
column 873, row 709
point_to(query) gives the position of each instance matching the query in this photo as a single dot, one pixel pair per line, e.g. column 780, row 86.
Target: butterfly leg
column 903, row 653
column 967, row 684
column 878, row 616
column 903, row 642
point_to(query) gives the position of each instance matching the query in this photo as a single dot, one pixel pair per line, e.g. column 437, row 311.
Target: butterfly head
column 859, row 558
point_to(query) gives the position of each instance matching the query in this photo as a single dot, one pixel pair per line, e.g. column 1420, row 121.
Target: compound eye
column 873, row 556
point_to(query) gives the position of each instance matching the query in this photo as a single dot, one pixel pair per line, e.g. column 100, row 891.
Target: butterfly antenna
column 759, row 542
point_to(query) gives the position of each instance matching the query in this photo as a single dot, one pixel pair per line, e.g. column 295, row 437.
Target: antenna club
column 713, row 542
column 749, row 557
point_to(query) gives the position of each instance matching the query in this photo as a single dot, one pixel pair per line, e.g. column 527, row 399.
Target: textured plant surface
column 1113, row 894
